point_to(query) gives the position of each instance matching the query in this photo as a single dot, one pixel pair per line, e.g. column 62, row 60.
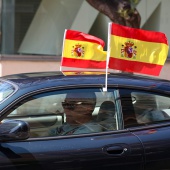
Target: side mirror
column 11, row 130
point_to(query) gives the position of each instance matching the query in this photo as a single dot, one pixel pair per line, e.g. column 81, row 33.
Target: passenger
column 149, row 112
column 78, row 108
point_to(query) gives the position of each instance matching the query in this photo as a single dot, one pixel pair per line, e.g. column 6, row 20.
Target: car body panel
column 156, row 143
column 85, row 152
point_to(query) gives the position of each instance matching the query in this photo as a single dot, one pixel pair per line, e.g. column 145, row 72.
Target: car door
column 153, row 127
column 111, row 148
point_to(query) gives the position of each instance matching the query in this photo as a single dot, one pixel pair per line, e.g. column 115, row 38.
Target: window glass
column 141, row 107
column 17, row 17
column 6, row 89
column 36, row 27
column 151, row 107
column 68, row 112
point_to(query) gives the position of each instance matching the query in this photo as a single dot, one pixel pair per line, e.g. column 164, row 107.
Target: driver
column 78, row 108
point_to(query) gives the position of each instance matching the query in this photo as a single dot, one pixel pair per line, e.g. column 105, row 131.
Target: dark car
column 129, row 126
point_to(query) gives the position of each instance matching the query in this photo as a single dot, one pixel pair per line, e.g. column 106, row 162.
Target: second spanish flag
column 137, row 50
column 82, row 50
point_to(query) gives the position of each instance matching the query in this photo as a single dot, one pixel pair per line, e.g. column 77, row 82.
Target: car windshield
column 6, row 89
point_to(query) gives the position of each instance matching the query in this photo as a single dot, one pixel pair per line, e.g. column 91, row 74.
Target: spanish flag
column 82, row 50
column 137, row 50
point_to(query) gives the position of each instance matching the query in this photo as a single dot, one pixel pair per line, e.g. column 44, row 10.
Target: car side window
column 151, row 108
column 42, row 112
column 146, row 107
column 67, row 112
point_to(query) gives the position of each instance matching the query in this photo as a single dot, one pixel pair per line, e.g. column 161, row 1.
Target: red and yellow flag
column 137, row 50
column 82, row 50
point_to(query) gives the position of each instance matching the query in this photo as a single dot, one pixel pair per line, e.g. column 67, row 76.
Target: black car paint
column 85, row 152
column 156, row 141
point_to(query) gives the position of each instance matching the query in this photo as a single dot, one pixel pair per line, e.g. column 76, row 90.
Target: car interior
column 45, row 112
column 151, row 108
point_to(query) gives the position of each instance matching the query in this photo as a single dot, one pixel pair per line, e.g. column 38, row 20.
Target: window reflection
column 6, row 89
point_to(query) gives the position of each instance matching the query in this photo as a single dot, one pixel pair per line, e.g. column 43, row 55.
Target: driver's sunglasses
column 72, row 105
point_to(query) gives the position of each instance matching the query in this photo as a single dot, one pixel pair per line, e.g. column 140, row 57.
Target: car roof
column 57, row 78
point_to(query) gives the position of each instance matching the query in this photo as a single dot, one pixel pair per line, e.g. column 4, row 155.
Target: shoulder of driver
column 88, row 128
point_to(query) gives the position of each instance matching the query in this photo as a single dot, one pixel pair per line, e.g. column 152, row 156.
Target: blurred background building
column 32, row 30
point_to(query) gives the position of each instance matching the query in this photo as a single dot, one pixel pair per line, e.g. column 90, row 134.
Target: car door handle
column 116, row 150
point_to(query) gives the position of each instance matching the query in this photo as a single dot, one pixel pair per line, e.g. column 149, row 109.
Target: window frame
column 59, row 90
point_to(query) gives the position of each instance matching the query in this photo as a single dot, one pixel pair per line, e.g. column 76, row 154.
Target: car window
column 151, row 107
column 146, row 107
column 68, row 112
column 6, row 89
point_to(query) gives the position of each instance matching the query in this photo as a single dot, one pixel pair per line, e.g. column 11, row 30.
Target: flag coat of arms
column 82, row 50
column 137, row 50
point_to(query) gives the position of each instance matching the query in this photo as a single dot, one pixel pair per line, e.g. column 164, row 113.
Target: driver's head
column 79, row 105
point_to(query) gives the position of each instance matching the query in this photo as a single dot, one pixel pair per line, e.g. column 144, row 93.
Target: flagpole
column 63, row 48
column 108, row 56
